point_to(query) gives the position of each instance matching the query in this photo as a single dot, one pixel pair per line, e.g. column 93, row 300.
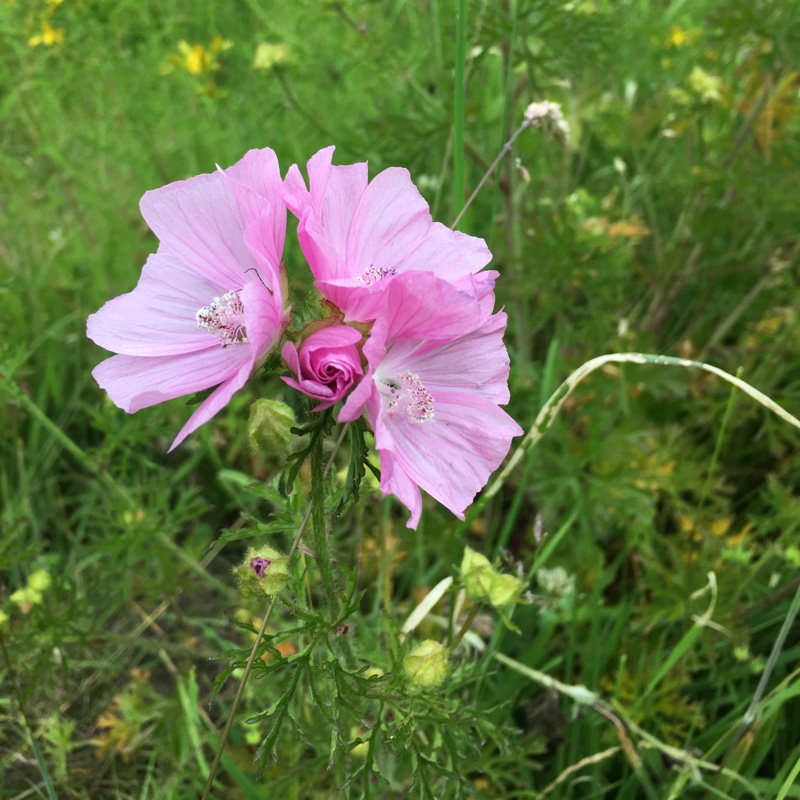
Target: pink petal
column 390, row 221
column 135, row 382
column 392, row 230
column 326, row 211
column 333, row 197
column 420, row 305
column 366, row 393
column 200, row 222
column 264, row 318
column 451, row 456
column 476, row 363
column 256, row 184
column 158, row 317
column 215, row 402
column 265, row 250
column 395, row 481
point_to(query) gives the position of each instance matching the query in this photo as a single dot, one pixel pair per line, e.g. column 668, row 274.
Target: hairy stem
column 260, row 635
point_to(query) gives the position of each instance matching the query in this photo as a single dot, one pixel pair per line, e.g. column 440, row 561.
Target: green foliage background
column 667, row 224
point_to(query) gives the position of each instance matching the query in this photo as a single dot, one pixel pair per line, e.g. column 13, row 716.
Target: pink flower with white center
column 327, row 365
column 209, row 305
column 357, row 236
column 437, row 375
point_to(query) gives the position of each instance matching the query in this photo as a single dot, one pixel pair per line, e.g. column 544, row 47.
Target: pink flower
column 327, row 365
column 209, row 303
column 438, row 372
column 357, row 236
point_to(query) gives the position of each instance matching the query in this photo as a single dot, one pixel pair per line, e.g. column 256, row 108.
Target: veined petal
column 215, row 402
column 255, row 181
column 451, row 456
column 476, row 363
column 135, row 382
column 158, row 317
column 200, row 222
column 421, row 306
column 390, row 221
column 264, row 317
column 266, row 250
column 395, row 481
column 326, row 211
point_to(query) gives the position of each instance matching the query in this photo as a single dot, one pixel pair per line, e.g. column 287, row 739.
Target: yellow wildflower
column 195, row 58
column 677, row 36
column 48, row 37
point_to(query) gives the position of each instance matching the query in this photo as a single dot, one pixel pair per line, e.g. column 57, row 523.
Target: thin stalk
column 718, row 446
column 750, row 714
column 492, row 167
column 473, row 612
column 319, row 529
column 43, row 770
column 459, row 103
column 260, row 635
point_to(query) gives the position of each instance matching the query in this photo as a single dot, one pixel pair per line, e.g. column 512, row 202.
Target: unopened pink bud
column 327, row 365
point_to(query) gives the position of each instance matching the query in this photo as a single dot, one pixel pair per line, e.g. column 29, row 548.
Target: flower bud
column 426, row 665
column 39, row 581
column 478, row 574
column 270, row 428
column 264, row 571
column 504, row 590
column 327, row 365
column 485, row 584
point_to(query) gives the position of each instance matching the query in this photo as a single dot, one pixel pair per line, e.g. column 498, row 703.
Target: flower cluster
column 412, row 341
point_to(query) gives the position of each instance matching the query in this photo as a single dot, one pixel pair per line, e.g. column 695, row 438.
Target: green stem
column 320, row 529
column 459, row 103
column 267, row 616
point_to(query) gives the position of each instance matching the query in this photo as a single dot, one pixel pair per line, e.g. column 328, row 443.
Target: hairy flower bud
column 485, row 584
column 264, row 571
column 478, row 574
column 427, row 665
column 270, row 428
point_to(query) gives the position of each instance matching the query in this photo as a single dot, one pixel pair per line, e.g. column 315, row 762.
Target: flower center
column 373, row 274
column 410, row 398
column 224, row 317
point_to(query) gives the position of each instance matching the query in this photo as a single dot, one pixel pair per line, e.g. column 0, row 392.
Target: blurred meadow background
column 657, row 520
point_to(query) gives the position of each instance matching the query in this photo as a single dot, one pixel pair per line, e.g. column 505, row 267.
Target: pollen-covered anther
column 373, row 274
column 224, row 317
column 410, row 397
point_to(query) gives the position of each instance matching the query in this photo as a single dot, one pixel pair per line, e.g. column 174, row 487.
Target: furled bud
column 264, row 571
column 426, row 665
column 327, row 365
